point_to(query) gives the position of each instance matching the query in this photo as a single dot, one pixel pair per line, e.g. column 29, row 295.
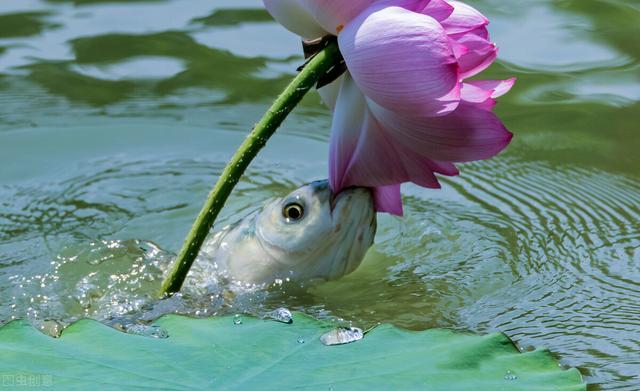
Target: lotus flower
column 403, row 111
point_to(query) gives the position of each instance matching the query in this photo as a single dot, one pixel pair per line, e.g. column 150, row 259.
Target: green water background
column 116, row 117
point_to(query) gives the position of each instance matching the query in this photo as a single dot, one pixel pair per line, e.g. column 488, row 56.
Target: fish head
column 313, row 233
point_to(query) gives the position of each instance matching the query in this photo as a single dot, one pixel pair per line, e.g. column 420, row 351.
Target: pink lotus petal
column 294, row 17
column 438, row 9
column 473, row 93
column 477, row 96
column 469, row 133
column 410, row 5
column 481, row 32
column 479, row 56
column 463, row 19
column 402, row 60
column 388, row 199
column 346, row 128
column 445, row 168
column 497, row 87
column 458, row 49
column 333, row 15
column 379, row 160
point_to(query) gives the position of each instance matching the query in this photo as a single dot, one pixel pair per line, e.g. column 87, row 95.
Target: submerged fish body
column 309, row 234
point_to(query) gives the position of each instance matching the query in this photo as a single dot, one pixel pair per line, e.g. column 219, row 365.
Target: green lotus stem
column 318, row 66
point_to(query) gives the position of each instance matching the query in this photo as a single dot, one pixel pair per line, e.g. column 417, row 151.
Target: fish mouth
column 323, row 190
column 335, row 198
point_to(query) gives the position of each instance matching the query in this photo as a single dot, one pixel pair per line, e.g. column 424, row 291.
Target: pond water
column 116, row 118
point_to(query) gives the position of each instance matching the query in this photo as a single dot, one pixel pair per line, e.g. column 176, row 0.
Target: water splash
column 510, row 375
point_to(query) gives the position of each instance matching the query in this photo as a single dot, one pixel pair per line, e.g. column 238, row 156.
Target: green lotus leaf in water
column 226, row 353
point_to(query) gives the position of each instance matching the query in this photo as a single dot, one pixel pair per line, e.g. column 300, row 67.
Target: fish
column 310, row 234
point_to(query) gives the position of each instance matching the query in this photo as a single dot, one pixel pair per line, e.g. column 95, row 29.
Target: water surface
column 117, row 117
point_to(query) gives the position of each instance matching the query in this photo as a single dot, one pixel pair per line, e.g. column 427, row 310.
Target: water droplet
column 237, row 320
column 152, row 331
column 510, row 375
column 281, row 315
column 341, row 336
column 300, row 340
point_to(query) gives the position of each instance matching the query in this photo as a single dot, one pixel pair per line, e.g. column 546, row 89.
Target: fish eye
column 293, row 211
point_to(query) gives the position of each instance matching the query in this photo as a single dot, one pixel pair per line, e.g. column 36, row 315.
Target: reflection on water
column 22, row 24
column 116, row 117
column 120, row 50
column 575, row 50
column 235, row 16
column 148, row 67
